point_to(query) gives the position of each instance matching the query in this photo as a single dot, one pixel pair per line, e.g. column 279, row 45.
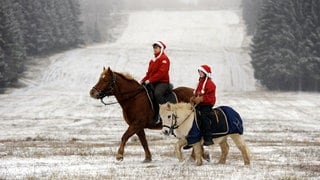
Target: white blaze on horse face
column 166, row 116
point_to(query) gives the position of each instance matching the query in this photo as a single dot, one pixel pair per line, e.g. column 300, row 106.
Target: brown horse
column 136, row 108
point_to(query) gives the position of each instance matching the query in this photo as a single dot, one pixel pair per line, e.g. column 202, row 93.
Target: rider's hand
column 147, row 82
column 198, row 100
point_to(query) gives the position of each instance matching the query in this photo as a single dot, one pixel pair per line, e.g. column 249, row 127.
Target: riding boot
column 207, row 140
column 205, row 117
column 187, row 146
column 156, row 116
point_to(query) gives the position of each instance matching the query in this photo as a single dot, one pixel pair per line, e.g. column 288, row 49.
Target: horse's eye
column 169, row 116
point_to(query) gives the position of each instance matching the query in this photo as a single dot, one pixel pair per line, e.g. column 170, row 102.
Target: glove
column 198, row 100
column 147, row 82
column 192, row 99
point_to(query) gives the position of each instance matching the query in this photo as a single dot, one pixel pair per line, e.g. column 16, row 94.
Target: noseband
column 173, row 125
column 110, row 91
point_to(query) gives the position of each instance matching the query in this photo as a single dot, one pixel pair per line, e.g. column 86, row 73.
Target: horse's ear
column 168, row 106
column 109, row 70
column 104, row 68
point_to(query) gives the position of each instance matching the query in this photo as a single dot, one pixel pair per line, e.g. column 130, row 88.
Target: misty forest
column 285, row 47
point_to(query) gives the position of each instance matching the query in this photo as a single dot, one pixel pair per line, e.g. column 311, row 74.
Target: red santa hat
column 207, row 71
column 162, row 47
column 160, row 44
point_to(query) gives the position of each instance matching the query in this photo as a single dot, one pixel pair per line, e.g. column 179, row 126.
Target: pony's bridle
column 174, row 123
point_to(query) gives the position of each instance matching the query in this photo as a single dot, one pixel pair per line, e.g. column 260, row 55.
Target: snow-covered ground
column 52, row 128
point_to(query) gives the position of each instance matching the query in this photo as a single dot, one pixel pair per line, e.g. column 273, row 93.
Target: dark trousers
column 161, row 91
column 204, row 114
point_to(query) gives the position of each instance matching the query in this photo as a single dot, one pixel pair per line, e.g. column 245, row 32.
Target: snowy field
column 52, row 129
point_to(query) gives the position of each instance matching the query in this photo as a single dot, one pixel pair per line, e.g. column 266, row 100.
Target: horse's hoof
column 222, row 162
column 147, row 160
column 206, row 157
column 119, row 158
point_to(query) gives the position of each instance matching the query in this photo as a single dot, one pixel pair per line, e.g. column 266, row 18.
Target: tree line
column 285, row 48
column 35, row 27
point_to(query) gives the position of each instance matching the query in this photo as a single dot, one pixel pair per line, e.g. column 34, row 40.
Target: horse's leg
column 224, row 151
column 238, row 140
column 129, row 132
column 197, row 147
column 178, row 145
column 205, row 155
column 142, row 136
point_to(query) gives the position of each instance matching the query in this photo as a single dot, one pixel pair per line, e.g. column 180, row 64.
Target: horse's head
column 173, row 115
column 168, row 118
column 105, row 84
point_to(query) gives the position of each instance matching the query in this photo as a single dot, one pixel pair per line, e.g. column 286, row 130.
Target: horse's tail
column 234, row 120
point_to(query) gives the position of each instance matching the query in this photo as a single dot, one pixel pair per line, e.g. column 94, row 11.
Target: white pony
column 177, row 119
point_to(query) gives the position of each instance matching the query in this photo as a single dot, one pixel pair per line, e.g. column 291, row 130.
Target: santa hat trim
column 162, row 47
column 205, row 71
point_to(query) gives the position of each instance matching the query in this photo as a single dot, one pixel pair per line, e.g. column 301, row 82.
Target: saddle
column 169, row 95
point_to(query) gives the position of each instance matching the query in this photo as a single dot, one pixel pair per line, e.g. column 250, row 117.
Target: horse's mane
column 126, row 76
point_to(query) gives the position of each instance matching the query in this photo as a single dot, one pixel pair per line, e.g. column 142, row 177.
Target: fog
column 180, row 4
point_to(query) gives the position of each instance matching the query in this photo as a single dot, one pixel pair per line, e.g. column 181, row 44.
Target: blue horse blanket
column 225, row 121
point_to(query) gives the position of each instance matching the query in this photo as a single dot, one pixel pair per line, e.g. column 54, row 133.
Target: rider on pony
column 204, row 98
column 157, row 77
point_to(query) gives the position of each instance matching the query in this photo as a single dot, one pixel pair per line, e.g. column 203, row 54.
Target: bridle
column 110, row 91
column 174, row 123
column 107, row 92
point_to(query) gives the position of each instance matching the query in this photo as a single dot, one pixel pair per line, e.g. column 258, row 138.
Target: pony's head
column 172, row 115
column 105, row 85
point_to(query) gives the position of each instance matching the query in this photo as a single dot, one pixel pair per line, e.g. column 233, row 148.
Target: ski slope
column 51, row 128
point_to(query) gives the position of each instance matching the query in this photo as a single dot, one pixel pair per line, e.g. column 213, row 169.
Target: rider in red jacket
column 205, row 99
column 158, row 75
column 158, row 70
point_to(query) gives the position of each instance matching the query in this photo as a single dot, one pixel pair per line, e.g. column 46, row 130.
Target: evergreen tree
column 285, row 48
column 250, row 11
column 33, row 28
column 12, row 44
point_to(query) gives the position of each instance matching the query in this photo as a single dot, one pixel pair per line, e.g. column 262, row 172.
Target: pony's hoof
column 206, row 157
column 147, row 160
column 222, row 162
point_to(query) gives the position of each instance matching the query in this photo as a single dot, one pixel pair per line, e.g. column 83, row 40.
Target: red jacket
column 208, row 93
column 158, row 70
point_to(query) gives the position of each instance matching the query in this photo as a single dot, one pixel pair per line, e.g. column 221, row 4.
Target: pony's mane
column 182, row 106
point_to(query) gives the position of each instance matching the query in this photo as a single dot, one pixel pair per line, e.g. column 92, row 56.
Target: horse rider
column 204, row 98
column 158, row 76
